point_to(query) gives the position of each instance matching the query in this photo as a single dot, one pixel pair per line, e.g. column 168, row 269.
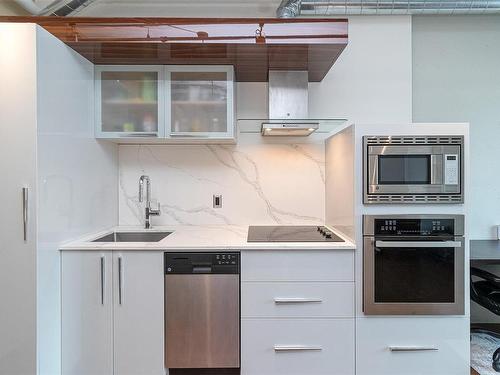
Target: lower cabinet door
column 297, row 347
column 138, row 313
column 87, row 313
column 412, row 346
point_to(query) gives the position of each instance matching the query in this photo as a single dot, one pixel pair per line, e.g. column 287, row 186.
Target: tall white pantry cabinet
column 48, row 155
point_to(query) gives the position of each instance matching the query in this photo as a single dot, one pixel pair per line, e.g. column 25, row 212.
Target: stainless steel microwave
column 413, row 169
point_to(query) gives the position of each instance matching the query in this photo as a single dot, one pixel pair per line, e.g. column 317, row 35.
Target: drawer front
column 412, row 346
column 297, row 347
column 297, row 299
column 283, row 265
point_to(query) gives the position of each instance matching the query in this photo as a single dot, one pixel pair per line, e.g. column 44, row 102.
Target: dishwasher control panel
column 202, row 263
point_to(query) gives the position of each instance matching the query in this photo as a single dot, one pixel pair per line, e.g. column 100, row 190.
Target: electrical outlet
column 217, row 200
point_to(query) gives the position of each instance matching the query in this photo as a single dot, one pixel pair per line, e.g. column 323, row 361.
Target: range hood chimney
column 288, row 105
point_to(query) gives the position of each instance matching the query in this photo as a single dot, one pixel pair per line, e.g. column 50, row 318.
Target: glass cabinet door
column 129, row 101
column 200, row 101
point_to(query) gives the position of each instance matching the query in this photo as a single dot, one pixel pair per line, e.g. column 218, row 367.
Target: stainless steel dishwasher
column 202, row 310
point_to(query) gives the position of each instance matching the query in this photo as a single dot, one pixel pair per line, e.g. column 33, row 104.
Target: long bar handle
column 138, row 135
column 296, row 348
column 103, row 278
column 412, row 348
column 120, row 280
column 418, row 243
column 291, row 300
column 25, row 214
column 188, row 135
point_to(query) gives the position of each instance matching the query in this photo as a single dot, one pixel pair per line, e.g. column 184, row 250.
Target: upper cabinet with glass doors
column 200, row 101
column 129, row 101
column 169, row 103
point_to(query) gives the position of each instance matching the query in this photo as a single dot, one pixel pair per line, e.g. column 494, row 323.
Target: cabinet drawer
column 282, row 265
column 298, row 299
column 409, row 338
column 290, row 346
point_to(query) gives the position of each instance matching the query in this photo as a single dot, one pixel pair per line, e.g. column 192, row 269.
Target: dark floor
column 490, row 327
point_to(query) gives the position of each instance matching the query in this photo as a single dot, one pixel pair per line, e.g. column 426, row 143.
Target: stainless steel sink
column 133, row 237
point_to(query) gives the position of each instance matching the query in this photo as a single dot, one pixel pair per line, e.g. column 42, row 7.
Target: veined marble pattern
column 261, row 182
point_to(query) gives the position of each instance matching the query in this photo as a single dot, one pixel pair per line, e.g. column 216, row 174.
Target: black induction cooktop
column 291, row 233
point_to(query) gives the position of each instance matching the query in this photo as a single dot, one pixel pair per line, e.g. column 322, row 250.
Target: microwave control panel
column 414, row 227
column 451, row 169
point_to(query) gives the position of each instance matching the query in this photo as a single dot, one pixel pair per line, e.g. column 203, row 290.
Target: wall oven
column 413, row 265
column 413, row 169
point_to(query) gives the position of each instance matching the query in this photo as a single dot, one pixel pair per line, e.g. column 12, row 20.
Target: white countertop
column 200, row 238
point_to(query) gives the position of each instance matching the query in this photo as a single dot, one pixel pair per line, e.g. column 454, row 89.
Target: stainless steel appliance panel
column 415, row 170
column 202, row 321
column 413, row 265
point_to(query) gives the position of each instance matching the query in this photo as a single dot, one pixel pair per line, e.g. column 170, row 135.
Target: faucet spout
column 148, row 210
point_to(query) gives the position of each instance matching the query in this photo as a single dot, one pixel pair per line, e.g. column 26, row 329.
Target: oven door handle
column 380, row 243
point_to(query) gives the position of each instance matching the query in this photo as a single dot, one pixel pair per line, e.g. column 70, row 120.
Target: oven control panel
column 414, row 227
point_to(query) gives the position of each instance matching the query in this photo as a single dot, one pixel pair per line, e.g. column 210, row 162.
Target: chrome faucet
column 148, row 210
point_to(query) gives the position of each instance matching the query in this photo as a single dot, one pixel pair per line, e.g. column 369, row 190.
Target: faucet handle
column 157, row 211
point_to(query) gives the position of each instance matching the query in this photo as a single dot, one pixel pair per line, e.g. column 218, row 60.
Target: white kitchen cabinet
column 294, row 265
column 297, row 299
column 200, row 101
column 87, row 313
column 297, row 347
column 297, row 311
column 112, row 313
column 138, row 313
column 165, row 104
column 18, row 167
column 129, row 101
column 420, row 346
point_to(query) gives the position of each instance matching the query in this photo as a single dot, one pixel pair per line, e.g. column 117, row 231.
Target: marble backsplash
column 262, row 181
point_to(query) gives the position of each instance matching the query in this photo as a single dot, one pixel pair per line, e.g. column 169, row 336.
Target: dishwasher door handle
column 202, row 269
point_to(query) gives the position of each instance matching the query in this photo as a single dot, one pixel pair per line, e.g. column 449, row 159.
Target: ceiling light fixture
column 289, row 129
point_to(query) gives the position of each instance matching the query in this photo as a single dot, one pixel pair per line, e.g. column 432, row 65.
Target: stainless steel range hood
column 288, row 112
column 288, row 105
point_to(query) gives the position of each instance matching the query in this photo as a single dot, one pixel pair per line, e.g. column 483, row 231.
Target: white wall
column 261, row 182
column 456, row 78
column 77, row 178
column 264, row 181
column 371, row 81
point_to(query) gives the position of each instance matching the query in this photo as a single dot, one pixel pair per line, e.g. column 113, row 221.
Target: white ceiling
column 181, row 8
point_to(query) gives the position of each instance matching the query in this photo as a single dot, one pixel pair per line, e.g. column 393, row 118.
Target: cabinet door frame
column 229, row 70
column 159, row 69
column 87, row 350
column 133, row 271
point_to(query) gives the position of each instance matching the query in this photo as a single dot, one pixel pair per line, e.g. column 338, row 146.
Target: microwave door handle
column 436, row 169
column 402, row 244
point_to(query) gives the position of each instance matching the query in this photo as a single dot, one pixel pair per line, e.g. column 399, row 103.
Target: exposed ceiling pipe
column 295, row 8
column 289, row 9
column 56, row 8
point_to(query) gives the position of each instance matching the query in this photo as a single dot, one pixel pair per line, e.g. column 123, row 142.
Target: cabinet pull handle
column 139, row 135
column 25, row 214
column 296, row 348
column 291, row 300
column 412, row 348
column 120, row 280
column 103, row 278
column 188, row 135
